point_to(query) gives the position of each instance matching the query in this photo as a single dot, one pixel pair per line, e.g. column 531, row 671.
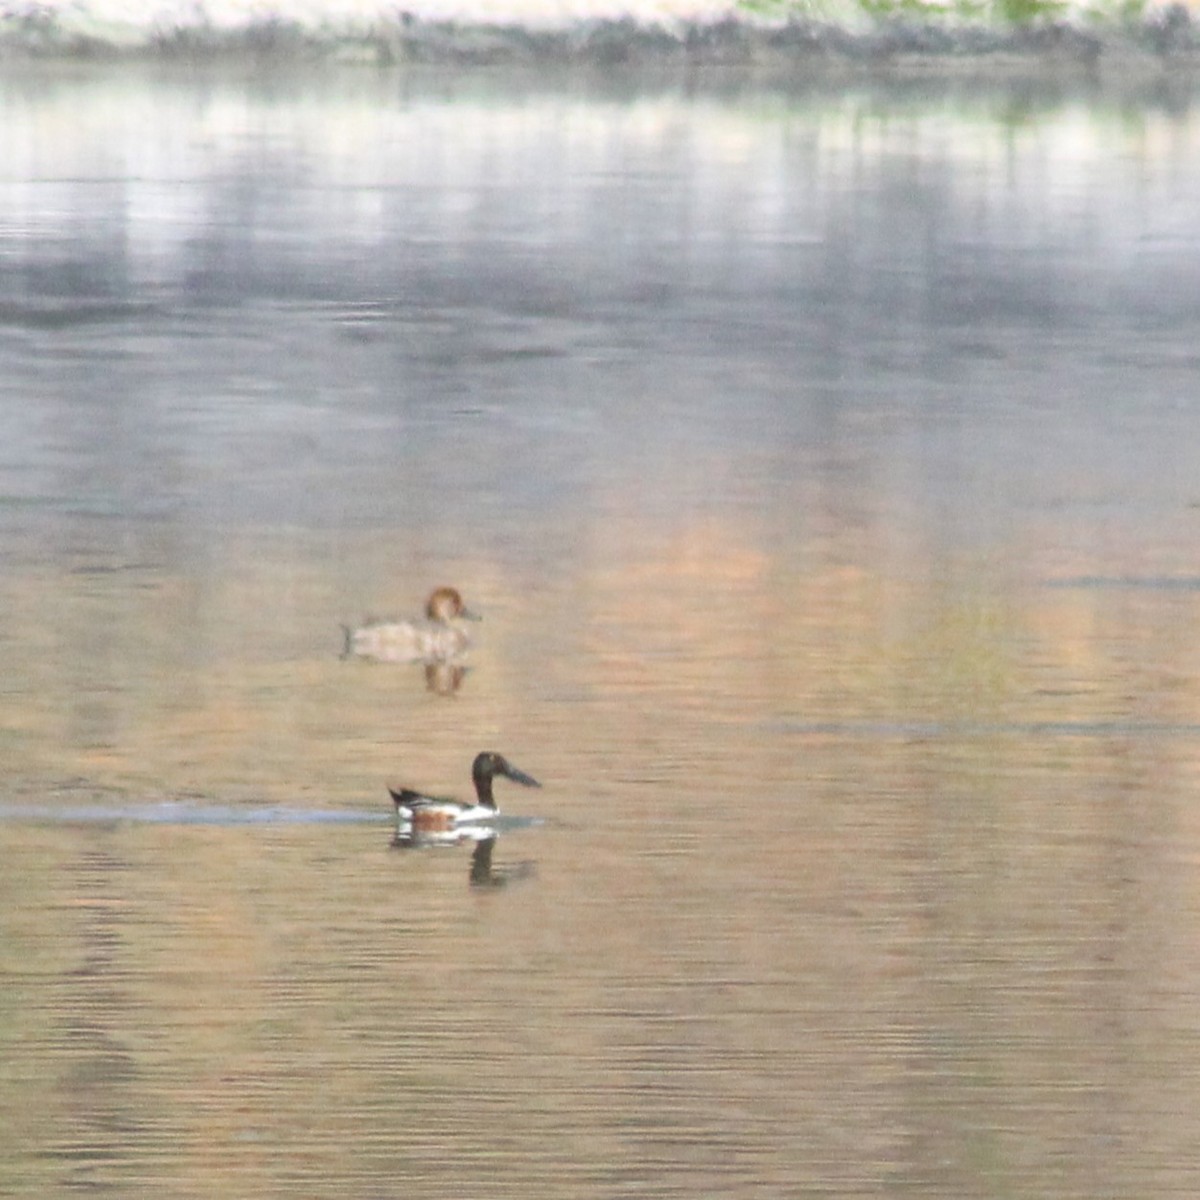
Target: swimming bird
column 438, row 638
column 442, row 813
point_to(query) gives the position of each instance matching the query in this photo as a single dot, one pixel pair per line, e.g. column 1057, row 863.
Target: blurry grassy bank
column 756, row 34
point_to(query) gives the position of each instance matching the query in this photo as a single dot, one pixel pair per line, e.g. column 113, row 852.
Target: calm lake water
column 824, row 463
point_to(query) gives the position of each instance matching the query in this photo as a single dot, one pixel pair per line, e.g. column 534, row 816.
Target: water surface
column 823, row 464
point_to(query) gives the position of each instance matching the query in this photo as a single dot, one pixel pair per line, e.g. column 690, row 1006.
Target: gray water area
column 823, row 462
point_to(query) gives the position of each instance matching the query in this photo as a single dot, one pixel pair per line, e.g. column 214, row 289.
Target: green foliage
column 769, row 8
column 1022, row 12
column 1004, row 12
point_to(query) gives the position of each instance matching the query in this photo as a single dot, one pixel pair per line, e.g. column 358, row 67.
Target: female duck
column 442, row 813
column 441, row 636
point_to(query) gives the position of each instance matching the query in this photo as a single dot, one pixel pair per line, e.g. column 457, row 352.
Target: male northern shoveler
column 436, row 813
column 439, row 637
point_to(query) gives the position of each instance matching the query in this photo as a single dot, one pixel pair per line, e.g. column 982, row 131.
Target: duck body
column 440, row 637
column 445, row 814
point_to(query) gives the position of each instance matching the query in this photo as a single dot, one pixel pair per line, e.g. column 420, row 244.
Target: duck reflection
column 444, row 678
column 484, row 872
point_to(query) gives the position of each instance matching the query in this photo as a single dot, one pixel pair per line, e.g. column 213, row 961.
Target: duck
column 440, row 637
column 445, row 814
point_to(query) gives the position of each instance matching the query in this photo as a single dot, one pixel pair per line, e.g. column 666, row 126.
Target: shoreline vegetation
column 755, row 34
